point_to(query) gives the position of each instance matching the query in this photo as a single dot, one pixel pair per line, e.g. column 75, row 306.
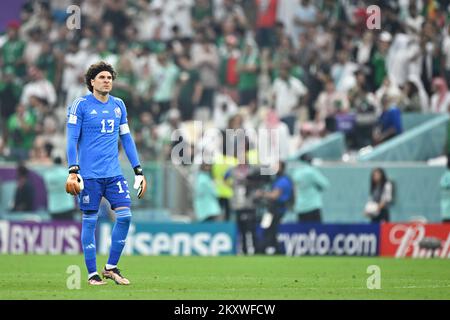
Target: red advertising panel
column 416, row 240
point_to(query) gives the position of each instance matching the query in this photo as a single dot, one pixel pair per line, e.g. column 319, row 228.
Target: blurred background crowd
column 307, row 69
column 304, row 68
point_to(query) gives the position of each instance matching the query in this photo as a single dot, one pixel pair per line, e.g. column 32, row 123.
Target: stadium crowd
column 304, row 68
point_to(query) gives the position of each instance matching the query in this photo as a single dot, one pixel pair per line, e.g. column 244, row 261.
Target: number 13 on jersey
column 110, row 125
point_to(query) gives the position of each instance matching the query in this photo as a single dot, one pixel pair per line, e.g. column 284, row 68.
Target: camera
column 255, row 177
column 257, row 181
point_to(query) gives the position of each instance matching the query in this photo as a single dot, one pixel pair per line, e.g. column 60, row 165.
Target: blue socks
column 119, row 234
column 88, row 240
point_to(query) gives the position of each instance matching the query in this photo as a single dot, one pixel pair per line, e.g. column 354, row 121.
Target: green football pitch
column 214, row 278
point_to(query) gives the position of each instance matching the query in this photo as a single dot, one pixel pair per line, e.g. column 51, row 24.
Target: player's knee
column 124, row 219
column 123, row 216
column 89, row 219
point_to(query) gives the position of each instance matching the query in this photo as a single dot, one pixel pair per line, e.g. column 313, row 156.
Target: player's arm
column 74, row 183
column 130, row 149
column 140, row 183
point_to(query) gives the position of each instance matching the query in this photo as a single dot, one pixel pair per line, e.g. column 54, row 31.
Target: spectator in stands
column 24, row 196
column 381, row 197
column 125, row 82
column 305, row 17
column 55, row 146
column 445, row 193
column 414, row 21
column 280, row 145
column 365, row 48
column 206, row 205
column 265, row 22
column 13, row 49
column 40, row 110
column 229, row 77
column 39, row 86
column 304, row 53
column 164, row 78
column 201, row 14
column 166, row 131
column 205, row 58
column 147, row 139
column 248, row 69
column 48, row 61
column 116, row 13
column 389, row 123
column 21, row 126
column 327, row 104
column 446, row 53
column 378, row 59
column 427, row 48
column 287, row 92
column 387, row 88
column 342, row 71
column 189, row 88
column 362, row 101
column 281, row 55
column 440, row 100
column 41, row 152
column 230, row 10
column 309, row 183
column 10, row 91
column 33, row 46
column 224, row 110
column 411, row 99
column 360, row 98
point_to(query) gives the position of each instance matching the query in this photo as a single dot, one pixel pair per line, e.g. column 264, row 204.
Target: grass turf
column 214, row 278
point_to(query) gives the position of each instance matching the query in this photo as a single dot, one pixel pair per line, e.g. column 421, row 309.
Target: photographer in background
column 246, row 179
column 279, row 198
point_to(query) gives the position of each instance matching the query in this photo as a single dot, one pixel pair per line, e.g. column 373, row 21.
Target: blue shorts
column 114, row 189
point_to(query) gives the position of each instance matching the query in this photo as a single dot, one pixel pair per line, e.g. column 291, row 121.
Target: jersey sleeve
column 74, row 122
column 123, row 123
column 125, row 136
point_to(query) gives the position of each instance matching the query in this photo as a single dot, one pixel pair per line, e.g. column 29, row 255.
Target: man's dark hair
column 22, row 171
column 95, row 69
column 281, row 168
column 306, row 157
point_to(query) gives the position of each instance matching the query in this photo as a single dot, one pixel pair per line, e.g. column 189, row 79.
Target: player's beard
column 103, row 92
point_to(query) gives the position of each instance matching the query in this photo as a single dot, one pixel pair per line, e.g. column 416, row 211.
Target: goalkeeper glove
column 140, row 184
column 74, row 183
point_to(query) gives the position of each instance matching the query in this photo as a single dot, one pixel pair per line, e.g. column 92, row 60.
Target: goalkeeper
column 95, row 123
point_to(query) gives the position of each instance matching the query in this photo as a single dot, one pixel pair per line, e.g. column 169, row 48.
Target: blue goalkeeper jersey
column 94, row 128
